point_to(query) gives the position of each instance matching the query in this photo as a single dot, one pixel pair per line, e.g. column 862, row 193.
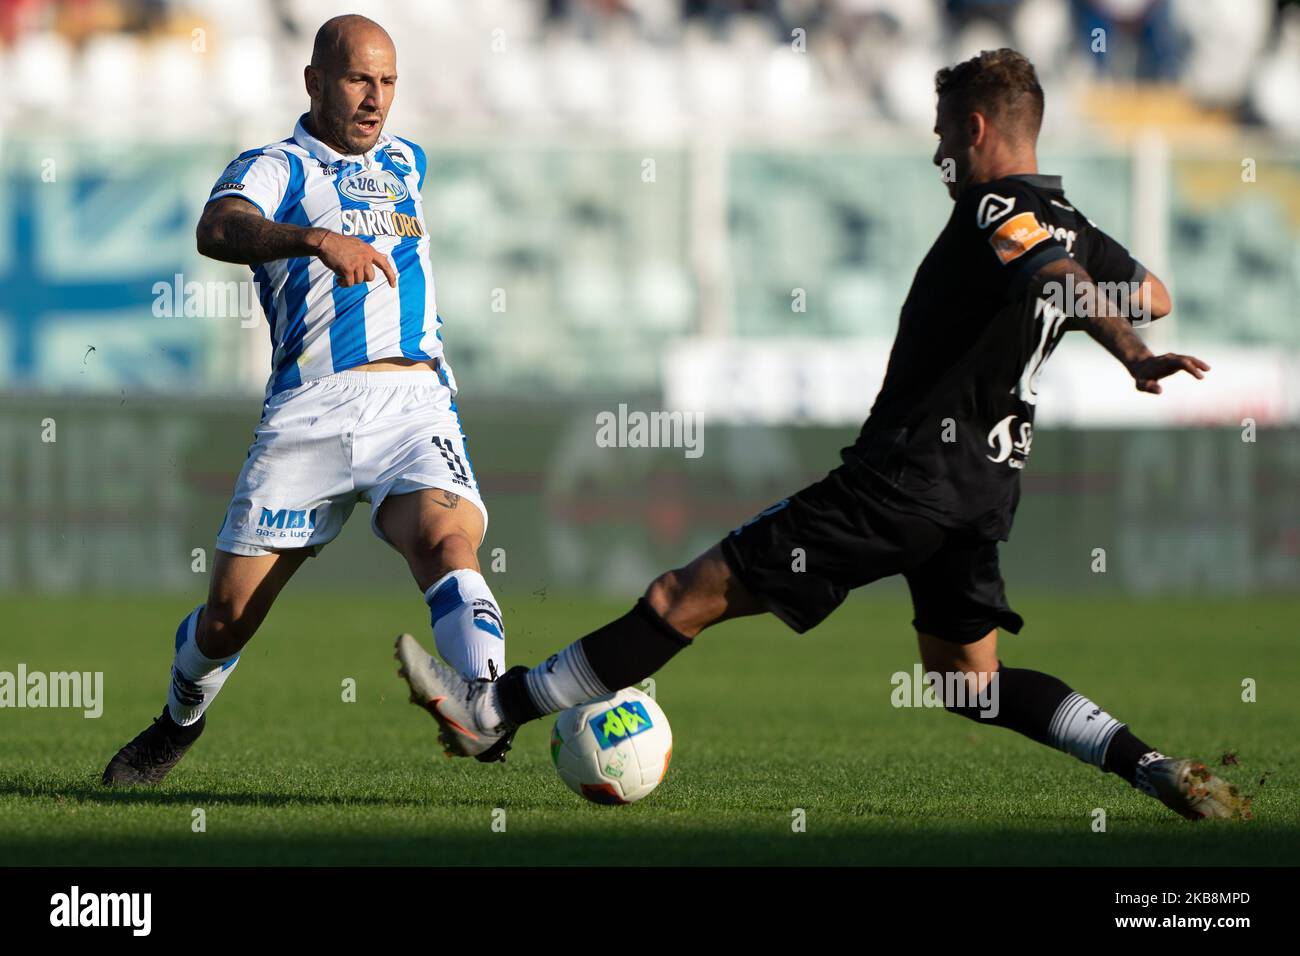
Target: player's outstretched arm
column 1154, row 300
column 1114, row 331
column 233, row 230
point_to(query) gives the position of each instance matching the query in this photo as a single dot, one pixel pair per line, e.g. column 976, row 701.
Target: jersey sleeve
column 1006, row 226
column 1108, row 261
column 258, row 176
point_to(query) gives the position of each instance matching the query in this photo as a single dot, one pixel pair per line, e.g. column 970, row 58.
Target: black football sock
column 1045, row 709
column 622, row 653
column 1125, row 755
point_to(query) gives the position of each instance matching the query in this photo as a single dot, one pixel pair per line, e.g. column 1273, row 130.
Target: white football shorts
column 348, row 437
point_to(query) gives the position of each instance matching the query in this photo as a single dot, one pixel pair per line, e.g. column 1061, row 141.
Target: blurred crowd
column 133, row 65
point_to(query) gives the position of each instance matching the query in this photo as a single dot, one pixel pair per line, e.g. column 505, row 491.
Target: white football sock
column 467, row 626
column 196, row 679
column 564, row 680
column 1081, row 728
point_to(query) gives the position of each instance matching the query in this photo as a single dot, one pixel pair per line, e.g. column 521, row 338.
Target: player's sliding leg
column 208, row 641
column 676, row 607
column 1045, row 709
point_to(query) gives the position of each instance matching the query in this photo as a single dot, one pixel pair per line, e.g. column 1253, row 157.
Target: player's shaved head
column 339, row 36
column 351, row 80
column 1002, row 85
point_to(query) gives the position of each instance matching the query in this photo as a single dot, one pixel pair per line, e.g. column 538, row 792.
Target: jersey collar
column 330, row 156
column 1050, row 183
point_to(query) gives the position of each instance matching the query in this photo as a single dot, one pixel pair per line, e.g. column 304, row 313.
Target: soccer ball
column 613, row 750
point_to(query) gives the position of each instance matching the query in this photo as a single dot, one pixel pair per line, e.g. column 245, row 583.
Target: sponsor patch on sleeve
column 1017, row 236
column 236, row 169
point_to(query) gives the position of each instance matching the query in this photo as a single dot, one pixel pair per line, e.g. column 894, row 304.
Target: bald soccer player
column 360, row 404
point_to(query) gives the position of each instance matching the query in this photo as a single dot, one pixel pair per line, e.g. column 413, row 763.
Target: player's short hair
column 1001, row 84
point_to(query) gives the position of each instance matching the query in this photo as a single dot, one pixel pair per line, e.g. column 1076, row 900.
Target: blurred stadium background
column 669, row 204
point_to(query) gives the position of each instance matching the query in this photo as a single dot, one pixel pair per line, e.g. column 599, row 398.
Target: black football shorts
column 802, row 556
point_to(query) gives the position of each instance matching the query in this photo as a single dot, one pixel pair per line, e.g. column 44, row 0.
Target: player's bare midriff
column 395, row 365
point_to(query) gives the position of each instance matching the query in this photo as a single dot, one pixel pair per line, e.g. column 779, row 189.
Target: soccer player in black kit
column 931, row 484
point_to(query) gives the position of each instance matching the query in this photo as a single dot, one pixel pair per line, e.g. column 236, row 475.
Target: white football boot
column 1191, row 790
column 456, row 703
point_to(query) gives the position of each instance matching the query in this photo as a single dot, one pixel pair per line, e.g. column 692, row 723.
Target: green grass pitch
column 765, row 723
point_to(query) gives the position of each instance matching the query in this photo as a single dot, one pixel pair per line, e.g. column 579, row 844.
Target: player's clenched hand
column 353, row 260
column 1148, row 371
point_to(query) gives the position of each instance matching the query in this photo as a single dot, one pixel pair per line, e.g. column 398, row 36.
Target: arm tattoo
column 1096, row 314
column 231, row 233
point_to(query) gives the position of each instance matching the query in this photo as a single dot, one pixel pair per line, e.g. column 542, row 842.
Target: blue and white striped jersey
column 317, row 327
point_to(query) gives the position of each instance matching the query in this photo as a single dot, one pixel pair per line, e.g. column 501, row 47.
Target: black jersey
column 953, row 423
